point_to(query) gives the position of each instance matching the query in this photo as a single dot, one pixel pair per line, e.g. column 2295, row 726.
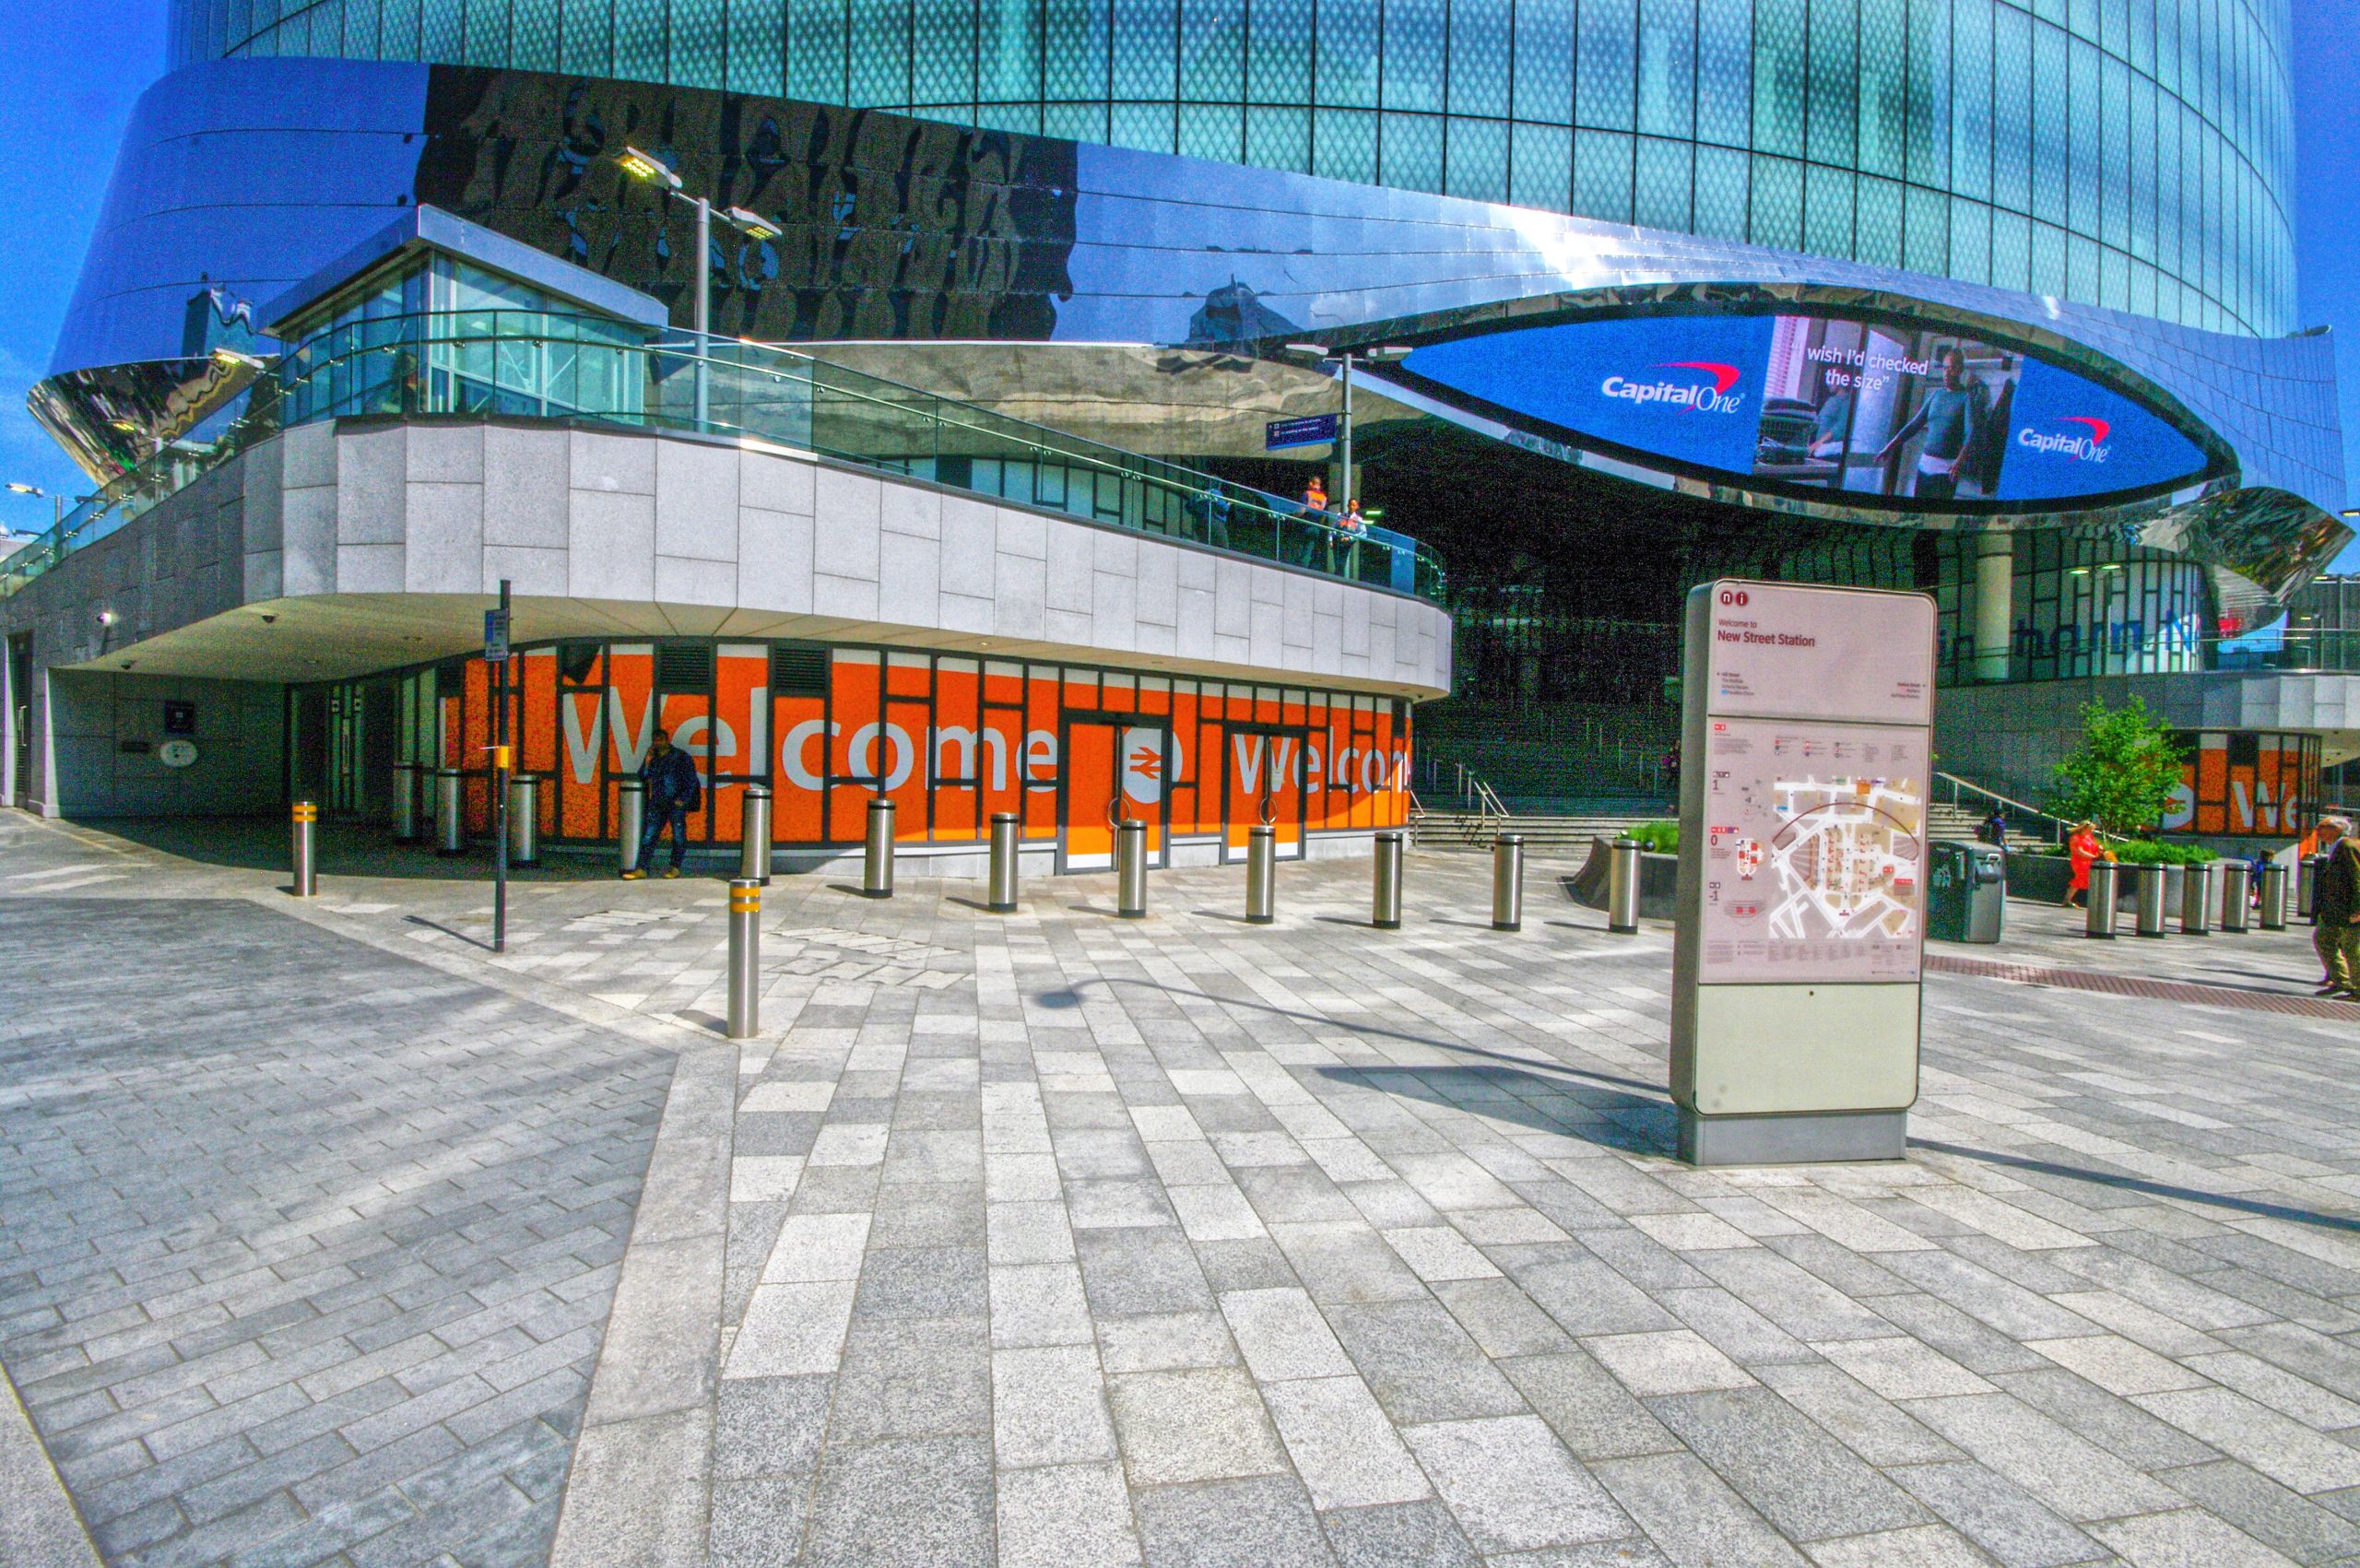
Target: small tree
column 2123, row 774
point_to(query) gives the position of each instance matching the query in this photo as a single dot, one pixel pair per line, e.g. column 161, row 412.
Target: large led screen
column 1821, row 403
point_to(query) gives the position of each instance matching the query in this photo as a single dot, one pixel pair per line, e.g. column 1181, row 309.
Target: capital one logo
column 1704, row 390
column 2087, row 446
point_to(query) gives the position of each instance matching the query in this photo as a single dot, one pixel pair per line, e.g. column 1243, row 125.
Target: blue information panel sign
column 495, row 635
column 1313, row 429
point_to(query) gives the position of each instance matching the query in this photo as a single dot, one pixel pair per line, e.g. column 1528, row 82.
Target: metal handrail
column 2062, row 828
column 452, row 363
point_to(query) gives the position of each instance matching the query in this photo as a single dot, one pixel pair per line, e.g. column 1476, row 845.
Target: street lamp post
column 1344, row 359
column 654, row 170
column 56, row 502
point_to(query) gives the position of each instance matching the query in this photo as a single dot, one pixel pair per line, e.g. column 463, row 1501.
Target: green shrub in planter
column 2143, row 851
column 1657, row 838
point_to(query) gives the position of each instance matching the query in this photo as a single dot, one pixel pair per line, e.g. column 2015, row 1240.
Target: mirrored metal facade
column 2135, row 155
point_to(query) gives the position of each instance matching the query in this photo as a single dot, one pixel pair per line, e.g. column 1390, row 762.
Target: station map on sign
column 1815, row 850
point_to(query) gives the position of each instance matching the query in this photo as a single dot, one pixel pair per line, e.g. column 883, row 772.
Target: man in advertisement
column 1951, row 418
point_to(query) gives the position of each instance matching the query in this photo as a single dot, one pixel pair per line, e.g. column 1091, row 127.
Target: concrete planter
column 1658, row 881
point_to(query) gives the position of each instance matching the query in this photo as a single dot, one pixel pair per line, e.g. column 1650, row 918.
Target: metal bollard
column 2306, row 888
column 1508, row 882
column 2105, row 879
column 2196, row 901
column 630, row 820
column 1622, row 864
column 524, row 821
column 754, row 836
column 2147, row 909
column 1130, row 869
column 877, row 855
column 449, row 814
column 404, row 804
column 2236, row 898
column 1261, row 873
column 745, row 957
column 999, row 892
column 1386, row 912
column 2273, row 897
column 303, row 851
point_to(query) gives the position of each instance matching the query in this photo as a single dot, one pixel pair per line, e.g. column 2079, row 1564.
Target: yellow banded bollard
column 303, row 850
column 745, row 957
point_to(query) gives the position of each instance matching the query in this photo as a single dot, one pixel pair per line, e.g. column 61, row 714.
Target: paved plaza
column 325, row 1235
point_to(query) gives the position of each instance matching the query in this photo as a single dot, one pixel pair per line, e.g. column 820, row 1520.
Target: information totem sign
column 1806, row 730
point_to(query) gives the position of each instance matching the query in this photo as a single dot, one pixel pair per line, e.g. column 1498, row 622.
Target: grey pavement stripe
column 39, row 1525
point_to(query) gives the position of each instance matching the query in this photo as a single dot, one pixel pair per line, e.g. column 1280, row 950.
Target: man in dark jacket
column 673, row 791
column 2335, row 906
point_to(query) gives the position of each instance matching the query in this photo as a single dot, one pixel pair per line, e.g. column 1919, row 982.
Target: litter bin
column 1967, row 890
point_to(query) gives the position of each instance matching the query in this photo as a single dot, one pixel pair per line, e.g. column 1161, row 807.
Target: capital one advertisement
column 1826, row 404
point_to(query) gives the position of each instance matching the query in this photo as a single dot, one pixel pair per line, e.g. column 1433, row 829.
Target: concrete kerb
column 39, row 1527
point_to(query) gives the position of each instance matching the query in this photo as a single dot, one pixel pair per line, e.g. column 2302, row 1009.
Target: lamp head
column 647, row 166
column 753, row 225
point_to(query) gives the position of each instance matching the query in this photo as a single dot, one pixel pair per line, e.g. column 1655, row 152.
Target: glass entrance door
column 1266, row 767
column 1113, row 769
column 21, row 704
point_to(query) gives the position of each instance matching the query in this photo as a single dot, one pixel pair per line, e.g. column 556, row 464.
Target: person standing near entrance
column 673, row 791
column 2335, row 904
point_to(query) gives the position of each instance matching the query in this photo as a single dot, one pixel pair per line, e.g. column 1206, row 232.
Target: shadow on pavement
column 2143, row 1184
column 346, row 849
column 1609, row 1116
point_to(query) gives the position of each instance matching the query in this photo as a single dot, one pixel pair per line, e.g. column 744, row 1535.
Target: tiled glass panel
column 1151, row 127
column 942, row 52
column 1668, row 67
column 1278, row 138
column 1414, row 45
column 816, row 33
column 1007, row 52
column 1343, row 144
column 1476, row 160
column 1541, row 166
column 1877, row 222
column 1604, row 89
column 1833, row 131
column 1212, row 130
column 1661, row 190
column 1827, row 211
column 1781, row 75
column 1410, row 151
column 1720, row 193
column 1602, row 171
column 1479, row 63
column 639, row 39
column 1076, row 66
column 1349, row 39
column 1775, row 215
column 1278, row 58
column 1213, row 55
column 1885, row 88
column 1145, row 40
column 1544, row 62
column 538, row 27
column 1724, row 71
column 881, row 52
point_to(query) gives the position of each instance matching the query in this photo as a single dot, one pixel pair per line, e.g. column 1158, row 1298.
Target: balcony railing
column 531, row 364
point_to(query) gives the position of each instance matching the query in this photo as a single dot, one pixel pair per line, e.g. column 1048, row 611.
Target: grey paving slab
column 1058, row 1239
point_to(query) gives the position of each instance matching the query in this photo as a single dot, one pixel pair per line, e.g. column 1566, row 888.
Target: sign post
column 495, row 652
column 1308, row 429
column 1806, row 734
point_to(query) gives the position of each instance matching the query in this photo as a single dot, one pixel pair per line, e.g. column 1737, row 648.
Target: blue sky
column 72, row 69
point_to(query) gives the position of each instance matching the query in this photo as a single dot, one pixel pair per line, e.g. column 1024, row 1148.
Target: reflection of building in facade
column 1970, row 299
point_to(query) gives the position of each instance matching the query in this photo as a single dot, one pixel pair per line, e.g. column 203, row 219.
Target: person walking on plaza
column 2335, row 903
column 673, row 791
column 2083, row 850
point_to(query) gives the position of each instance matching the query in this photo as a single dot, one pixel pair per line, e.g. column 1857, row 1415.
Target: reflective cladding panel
column 2135, row 155
column 1883, row 411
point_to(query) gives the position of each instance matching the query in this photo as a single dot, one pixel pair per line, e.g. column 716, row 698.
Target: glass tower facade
column 2130, row 154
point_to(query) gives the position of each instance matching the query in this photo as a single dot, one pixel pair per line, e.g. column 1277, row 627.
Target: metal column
column 630, row 816
column 745, row 957
column 2105, row 879
column 303, row 850
column 524, row 821
column 2306, row 888
column 2273, row 897
column 1623, row 866
column 2147, row 891
column 877, row 855
column 1261, row 873
column 405, row 802
column 1130, row 869
column 2196, row 901
column 999, row 892
column 754, row 836
column 2236, row 898
column 450, row 817
column 1385, row 912
column 1508, row 882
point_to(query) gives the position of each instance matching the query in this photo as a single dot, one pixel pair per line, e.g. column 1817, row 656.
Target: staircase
column 1555, row 758
column 1449, row 828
